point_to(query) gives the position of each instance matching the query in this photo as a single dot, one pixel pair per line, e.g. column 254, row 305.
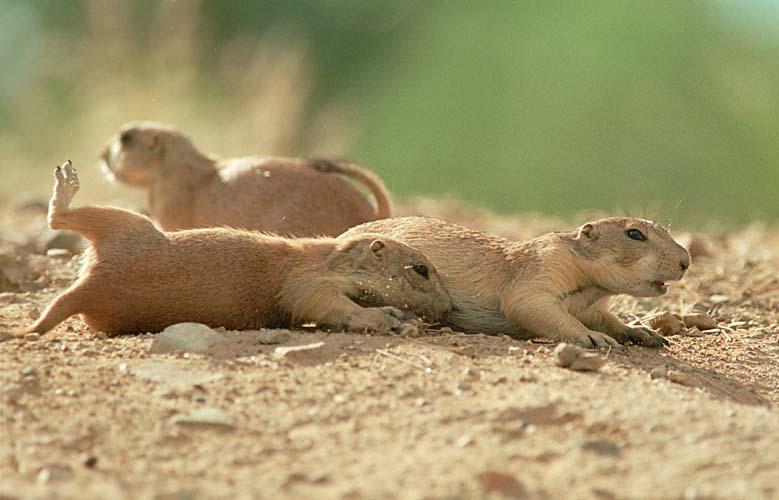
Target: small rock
column 205, row 417
column 576, row 358
column 32, row 337
column 566, row 354
column 693, row 332
column 502, row 484
column 601, row 447
column 588, row 362
column 446, row 329
column 463, row 441
column 34, row 313
column 700, row 320
column 61, row 240
column 186, row 337
column 679, row 377
column 472, row 373
column 700, row 307
column 720, row 299
column 463, row 385
column 409, row 330
column 667, row 324
column 285, row 352
column 658, row 372
column 89, row 461
column 53, row 472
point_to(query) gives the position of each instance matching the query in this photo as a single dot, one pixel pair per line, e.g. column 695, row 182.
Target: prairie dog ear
column 587, row 232
column 377, row 247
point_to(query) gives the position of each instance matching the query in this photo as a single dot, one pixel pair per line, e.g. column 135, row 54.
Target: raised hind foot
column 65, row 188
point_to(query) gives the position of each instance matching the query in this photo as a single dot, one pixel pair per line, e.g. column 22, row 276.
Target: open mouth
column 660, row 286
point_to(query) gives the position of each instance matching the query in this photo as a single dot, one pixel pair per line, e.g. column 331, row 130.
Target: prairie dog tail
column 365, row 177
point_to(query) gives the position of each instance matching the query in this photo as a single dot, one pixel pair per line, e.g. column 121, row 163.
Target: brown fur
column 556, row 285
column 287, row 196
column 137, row 278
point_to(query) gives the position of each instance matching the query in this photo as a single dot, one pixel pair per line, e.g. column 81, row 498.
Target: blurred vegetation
column 663, row 108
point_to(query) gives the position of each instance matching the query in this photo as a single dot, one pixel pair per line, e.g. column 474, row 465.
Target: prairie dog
column 287, row 196
column 139, row 279
column 556, row 285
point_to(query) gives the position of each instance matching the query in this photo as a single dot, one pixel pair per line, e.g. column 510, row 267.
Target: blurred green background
column 668, row 109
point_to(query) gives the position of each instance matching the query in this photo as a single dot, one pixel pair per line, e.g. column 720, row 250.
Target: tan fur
column 556, row 285
column 138, row 279
column 287, row 196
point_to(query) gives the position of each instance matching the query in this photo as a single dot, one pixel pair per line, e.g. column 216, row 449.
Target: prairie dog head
column 386, row 272
column 632, row 256
column 140, row 151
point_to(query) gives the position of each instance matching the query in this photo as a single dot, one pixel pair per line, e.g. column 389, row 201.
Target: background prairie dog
column 139, row 279
column 287, row 196
column 556, row 285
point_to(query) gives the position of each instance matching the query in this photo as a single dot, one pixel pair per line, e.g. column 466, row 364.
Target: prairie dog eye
column 635, row 234
column 125, row 138
column 421, row 270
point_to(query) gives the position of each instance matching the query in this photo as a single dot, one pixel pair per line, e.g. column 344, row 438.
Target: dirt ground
column 438, row 415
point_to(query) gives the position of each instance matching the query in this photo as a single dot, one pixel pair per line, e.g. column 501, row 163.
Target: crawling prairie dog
column 287, row 196
column 556, row 285
column 139, row 279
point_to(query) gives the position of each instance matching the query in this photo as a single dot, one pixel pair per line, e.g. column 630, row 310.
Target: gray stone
column 601, row 447
column 204, row 417
column 186, row 337
column 566, row 354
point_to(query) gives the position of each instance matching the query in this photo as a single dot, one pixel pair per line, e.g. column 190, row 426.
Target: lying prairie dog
column 556, row 285
column 286, row 196
column 139, row 279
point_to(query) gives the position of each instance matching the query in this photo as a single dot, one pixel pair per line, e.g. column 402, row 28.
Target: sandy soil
column 439, row 415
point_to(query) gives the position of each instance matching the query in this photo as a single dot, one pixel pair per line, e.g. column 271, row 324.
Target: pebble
column 601, row 447
column 566, row 354
column 694, row 332
column 186, row 337
column 700, row 307
column 32, row 337
column 502, row 484
column 575, row 358
column 667, row 324
column 588, row 362
column 700, row 320
column 205, row 417
column 409, row 330
column 719, row 299
column 679, row 377
column 89, row 461
column 658, row 372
